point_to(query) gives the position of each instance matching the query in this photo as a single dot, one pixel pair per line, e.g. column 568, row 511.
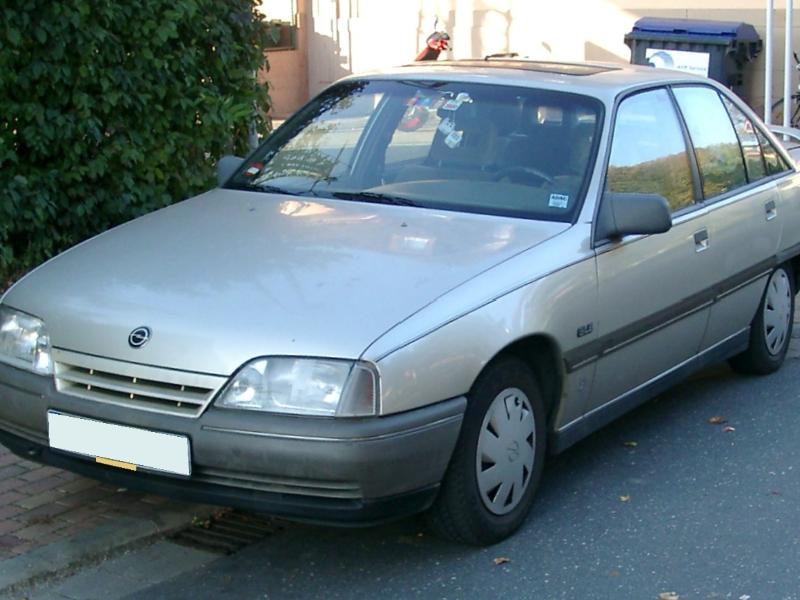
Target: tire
column 771, row 329
column 777, row 112
column 505, row 422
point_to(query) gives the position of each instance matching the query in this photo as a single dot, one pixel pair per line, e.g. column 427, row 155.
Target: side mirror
column 632, row 214
column 226, row 167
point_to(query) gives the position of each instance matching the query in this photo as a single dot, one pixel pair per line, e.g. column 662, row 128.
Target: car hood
column 231, row 275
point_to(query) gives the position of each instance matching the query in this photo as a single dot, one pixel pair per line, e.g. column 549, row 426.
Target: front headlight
column 303, row 386
column 24, row 342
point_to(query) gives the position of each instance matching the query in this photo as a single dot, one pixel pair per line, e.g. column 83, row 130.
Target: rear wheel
column 771, row 329
column 491, row 480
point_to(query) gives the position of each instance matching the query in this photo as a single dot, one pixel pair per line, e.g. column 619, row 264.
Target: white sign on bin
column 679, row 60
column 118, row 445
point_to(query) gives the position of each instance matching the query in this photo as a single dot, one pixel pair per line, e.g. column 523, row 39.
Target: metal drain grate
column 226, row 532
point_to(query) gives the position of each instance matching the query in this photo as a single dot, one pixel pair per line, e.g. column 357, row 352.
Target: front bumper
column 342, row 471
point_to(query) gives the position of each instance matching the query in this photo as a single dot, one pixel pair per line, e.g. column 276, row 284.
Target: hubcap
column 504, row 460
column 777, row 311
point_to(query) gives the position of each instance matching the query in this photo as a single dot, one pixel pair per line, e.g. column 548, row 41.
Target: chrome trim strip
column 136, row 364
column 311, row 438
column 697, row 357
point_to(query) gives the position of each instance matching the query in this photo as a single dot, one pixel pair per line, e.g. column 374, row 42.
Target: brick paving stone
column 68, row 476
column 10, row 484
column 10, row 510
column 83, row 497
column 76, row 516
column 40, row 499
column 41, row 485
column 40, row 473
column 41, row 504
column 47, row 511
column 78, row 485
column 8, row 459
column 11, row 471
column 72, row 528
column 10, row 526
column 11, row 497
column 28, row 464
column 9, row 541
column 24, row 547
column 34, row 532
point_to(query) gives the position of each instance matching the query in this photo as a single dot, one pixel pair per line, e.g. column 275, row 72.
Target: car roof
column 604, row 80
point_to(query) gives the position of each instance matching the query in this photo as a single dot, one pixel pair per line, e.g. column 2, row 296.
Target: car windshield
column 469, row 147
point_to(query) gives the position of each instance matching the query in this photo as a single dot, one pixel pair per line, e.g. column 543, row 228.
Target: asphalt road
column 692, row 508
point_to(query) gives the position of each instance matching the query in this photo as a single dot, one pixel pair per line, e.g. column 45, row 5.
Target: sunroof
column 524, row 65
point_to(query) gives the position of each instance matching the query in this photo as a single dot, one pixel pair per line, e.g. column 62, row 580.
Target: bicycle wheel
column 777, row 112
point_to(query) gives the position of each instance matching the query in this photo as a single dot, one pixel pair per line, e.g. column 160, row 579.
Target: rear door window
column 716, row 146
column 772, row 158
column 648, row 152
column 751, row 149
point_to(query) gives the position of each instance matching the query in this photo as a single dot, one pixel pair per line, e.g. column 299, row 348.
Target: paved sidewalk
column 40, row 505
column 52, row 521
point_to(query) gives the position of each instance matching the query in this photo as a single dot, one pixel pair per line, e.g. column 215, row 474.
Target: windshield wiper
column 375, row 197
column 266, row 188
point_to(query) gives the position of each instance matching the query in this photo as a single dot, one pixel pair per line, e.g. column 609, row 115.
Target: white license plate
column 120, row 446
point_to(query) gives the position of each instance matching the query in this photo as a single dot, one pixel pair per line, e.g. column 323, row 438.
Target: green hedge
column 109, row 110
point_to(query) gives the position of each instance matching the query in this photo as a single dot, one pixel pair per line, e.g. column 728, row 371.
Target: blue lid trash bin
column 717, row 49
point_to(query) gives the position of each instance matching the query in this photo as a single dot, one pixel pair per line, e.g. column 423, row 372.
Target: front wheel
column 771, row 329
column 489, row 486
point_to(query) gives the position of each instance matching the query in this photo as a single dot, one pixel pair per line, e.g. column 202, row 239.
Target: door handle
column 770, row 210
column 701, row 240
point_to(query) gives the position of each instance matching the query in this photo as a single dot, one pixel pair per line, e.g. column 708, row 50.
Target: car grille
column 179, row 393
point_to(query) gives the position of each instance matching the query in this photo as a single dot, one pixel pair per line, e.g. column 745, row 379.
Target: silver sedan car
column 421, row 283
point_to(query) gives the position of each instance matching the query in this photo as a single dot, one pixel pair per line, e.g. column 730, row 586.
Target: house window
column 280, row 19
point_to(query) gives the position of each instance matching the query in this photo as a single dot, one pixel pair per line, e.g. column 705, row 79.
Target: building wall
column 288, row 69
column 345, row 36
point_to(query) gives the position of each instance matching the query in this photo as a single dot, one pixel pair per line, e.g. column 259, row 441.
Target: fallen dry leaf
column 631, row 444
column 501, row 560
column 728, row 429
column 668, row 596
column 717, row 420
column 625, row 498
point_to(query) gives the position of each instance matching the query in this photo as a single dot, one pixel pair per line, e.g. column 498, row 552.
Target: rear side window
column 774, row 161
column 648, row 152
column 716, row 146
column 751, row 149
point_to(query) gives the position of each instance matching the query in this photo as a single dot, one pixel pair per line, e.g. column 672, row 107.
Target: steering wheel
column 514, row 174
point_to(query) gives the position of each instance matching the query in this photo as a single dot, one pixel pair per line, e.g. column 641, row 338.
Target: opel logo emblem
column 513, row 451
column 139, row 337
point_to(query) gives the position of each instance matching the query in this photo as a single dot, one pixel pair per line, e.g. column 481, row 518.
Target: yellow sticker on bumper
column 116, row 463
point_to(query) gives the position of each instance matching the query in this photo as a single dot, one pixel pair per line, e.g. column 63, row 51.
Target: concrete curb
column 90, row 545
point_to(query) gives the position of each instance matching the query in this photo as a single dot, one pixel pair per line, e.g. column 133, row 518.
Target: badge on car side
column 139, row 337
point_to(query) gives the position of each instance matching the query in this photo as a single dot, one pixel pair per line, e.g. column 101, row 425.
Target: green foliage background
column 109, row 110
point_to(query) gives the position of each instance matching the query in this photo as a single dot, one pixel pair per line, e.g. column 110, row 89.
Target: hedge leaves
column 109, row 110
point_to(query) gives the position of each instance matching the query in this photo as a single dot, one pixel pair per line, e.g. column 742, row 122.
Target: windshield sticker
column 447, row 126
column 254, row 170
column 558, row 201
column 454, row 139
column 452, row 104
column 455, row 103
